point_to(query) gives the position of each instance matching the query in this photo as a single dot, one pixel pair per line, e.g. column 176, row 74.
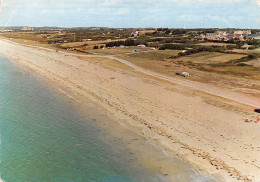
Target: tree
column 167, row 32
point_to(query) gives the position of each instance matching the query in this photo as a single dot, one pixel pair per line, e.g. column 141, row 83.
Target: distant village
column 227, row 35
column 232, row 49
column 159, row 38
column 214, row 34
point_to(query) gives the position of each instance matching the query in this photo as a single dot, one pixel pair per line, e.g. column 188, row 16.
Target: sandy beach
column 200, row 123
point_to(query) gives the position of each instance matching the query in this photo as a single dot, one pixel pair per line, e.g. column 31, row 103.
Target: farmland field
column 210, row 57
column 211, row 62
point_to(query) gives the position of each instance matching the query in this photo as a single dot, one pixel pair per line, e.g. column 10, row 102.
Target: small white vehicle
column 184, row 74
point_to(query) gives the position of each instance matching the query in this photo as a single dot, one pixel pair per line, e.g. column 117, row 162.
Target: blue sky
column 132, row 13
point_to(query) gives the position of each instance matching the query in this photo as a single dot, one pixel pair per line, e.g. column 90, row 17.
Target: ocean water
column 45, row 139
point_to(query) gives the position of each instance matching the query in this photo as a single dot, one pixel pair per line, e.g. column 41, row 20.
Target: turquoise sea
column 44, row 138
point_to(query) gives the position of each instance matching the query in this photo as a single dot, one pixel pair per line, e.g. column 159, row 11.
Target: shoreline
column 152, row 118
column 85, row 131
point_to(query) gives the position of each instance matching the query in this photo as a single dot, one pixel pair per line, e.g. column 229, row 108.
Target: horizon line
column 124, row 27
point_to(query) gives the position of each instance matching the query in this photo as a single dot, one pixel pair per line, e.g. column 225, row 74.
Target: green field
column 210, row 57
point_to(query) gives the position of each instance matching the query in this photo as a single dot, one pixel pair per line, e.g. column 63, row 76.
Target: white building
column 135, row 33
column 27, row 29
column 6, row 30
column 211, row 36
column 85, row 40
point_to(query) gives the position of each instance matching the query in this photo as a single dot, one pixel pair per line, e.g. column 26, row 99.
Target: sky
column 131, row 13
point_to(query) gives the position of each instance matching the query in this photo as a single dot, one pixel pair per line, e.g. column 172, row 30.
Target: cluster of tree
column 128, row 42
column 162, row 29
column 165, row 30
column 175, row 46
column 254, row 42
column 229, row 47
column 156, row 39
column 212, row 48
column 97, row 47
column 149, row 33
column 239, row 62
column 157, row 34
column 205, row 31
column 178, row 31
column 201, row 49
column 153, row 44
column 142, row 40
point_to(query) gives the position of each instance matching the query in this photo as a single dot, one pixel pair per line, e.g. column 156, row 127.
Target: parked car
column 184, row 74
